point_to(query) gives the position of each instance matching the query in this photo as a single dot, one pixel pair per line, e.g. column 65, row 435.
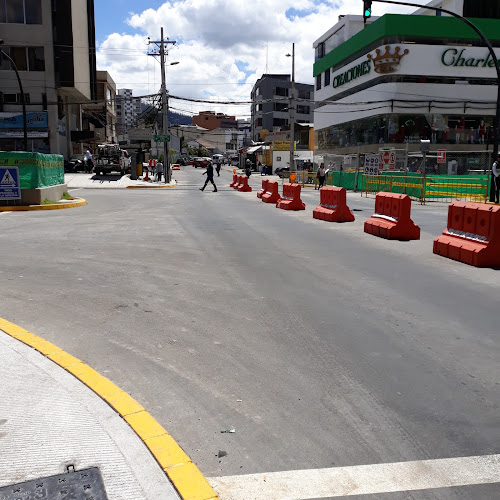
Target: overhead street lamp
column 292, row 111
column 165, row 125
column 485, row 41
column 23, row 100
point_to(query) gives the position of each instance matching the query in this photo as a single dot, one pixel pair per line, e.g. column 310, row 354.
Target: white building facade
column 404, row 78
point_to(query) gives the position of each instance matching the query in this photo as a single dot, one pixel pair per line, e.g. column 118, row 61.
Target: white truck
column 111, row 158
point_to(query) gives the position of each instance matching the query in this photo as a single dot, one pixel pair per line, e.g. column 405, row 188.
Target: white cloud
column 214, row 37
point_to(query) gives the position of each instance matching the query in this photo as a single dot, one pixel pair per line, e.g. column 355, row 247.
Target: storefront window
column 400, row 129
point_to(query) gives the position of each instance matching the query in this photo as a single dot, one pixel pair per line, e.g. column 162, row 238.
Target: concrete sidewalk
column 111, row 181
column 58, row 414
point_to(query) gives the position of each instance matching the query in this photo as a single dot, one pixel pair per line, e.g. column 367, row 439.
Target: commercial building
column 102, row 113
column 53, row 47
column 271, row 101
column 404, row 78
column 211, row 120
column 128, row 108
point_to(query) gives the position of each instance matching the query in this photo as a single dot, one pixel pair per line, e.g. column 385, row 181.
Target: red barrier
column 472, row 235
column 391, row 219
column 238, row 182
column 290, row 200
column 264, row 188
column 333, row 206
column 244, row 187
column 235, row 181
column 272, row 195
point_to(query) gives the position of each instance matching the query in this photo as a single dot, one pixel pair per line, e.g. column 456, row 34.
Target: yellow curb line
column 151, row 187
column 52, row 206
column 180, row 469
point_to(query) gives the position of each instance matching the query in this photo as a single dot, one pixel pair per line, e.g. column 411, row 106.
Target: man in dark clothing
column 210, row 178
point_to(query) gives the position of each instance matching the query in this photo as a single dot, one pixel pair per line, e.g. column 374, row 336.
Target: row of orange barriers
column 240, row 183
column 472, row 235
column 289, row 200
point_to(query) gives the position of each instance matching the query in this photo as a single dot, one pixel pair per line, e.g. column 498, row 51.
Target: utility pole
column 162, row 44
column 292, row 113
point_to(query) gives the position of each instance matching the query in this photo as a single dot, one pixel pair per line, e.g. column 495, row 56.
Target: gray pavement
column 49, row 420
column 320, row 345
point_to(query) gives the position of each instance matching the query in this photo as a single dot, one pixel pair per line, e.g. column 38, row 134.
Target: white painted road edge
column 360, row 480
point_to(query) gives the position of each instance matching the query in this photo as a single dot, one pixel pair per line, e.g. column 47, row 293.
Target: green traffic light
column 368, row 12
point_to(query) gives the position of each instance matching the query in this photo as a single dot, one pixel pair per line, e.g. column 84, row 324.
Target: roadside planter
column 39, row 177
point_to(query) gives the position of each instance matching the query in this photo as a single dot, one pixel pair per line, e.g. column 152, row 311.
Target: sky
column 222, row 46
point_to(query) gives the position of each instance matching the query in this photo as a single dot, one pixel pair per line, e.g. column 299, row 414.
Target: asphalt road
column 320, row 345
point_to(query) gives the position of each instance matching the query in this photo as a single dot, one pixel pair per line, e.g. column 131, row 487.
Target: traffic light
column 367, row 9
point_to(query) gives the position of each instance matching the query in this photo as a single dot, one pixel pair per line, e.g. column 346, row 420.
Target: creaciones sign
column 347, row 76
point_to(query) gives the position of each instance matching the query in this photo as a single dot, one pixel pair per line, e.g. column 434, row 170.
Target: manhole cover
column 75, row 485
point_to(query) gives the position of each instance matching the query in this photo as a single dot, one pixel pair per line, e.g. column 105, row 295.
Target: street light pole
column 292, row 113
column 492, row 53
column 23, row 100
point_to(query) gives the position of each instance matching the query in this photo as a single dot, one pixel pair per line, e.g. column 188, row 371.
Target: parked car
column 201, row 162
column 77, row 163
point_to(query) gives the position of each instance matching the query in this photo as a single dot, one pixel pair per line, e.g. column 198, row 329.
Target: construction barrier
column 472, row 235
column 272, row 194
column 264, row 188
column 290, row 200
column 235, row 181
column 176, row 166
column 391, row 219
column 333, row 206
column 238, row 182
column 243, row 186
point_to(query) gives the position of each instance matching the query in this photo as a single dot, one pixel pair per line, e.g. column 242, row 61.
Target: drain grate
column 75, row 485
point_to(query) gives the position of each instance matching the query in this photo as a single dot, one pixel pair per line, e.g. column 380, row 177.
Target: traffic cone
column 146, row 177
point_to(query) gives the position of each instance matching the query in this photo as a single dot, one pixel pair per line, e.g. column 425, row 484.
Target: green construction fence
column 36, row 170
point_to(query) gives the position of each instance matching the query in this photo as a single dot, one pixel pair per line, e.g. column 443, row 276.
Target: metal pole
column 23, row 100
column 490, row 48
column 164, row 106
column 292, row 113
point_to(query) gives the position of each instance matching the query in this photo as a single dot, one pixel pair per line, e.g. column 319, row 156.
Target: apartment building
column 52, row 45
column 128, row 108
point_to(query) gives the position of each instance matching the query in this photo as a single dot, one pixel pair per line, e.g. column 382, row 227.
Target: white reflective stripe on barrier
column 388, row 217
column 333, row 207
column 287, row 197
column 466, row 236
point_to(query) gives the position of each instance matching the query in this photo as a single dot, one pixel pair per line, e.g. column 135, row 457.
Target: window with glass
column 281, row 91
column 318, row 82
column 327, row 78
column 21, row 11
column 280, row 106
column 303, row 110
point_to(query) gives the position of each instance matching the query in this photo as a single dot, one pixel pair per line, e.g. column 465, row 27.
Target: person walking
column 495, row 180
column 89, row 164
column 217, row 167
column 321, row 175
column 159, row 171
column 210, row 178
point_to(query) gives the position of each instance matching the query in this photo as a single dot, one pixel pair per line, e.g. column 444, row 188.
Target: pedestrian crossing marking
column 360, row 480
column 8, row 180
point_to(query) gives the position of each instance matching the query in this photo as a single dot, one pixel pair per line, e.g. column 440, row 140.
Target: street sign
column 162, row 138
column 387, row 159
column 441, row 156
column 9, row 183
column 372, row 164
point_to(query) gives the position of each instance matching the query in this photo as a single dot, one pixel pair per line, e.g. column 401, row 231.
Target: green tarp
column 36, row 170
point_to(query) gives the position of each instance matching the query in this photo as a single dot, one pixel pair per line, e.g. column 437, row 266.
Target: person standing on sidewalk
column 159, row 171
column 210, row 178
column 321, row 175
column 495, row 179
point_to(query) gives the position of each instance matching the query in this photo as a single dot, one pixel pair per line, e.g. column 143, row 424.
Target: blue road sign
column 9, row 183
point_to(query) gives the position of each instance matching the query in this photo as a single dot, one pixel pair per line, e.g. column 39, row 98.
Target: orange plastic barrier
column 333, row 206
column 272, row 195
column 472, row 235
column 244, row 187
column 235, row 181
column 391, row 219
column 290, row 200
column 264, row 188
